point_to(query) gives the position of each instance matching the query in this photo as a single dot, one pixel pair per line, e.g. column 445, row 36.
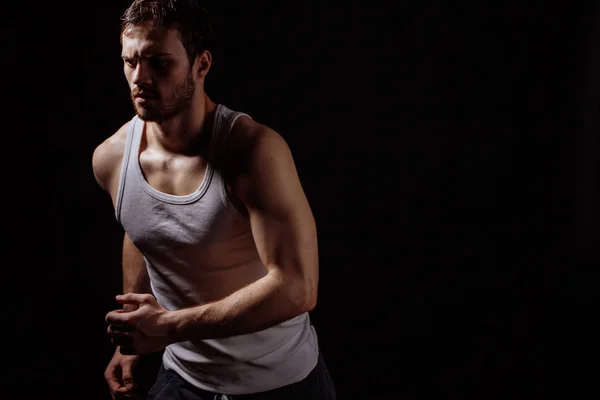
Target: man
column 220, row 261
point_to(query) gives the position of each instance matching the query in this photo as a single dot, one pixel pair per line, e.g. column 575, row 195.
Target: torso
column 292, row 347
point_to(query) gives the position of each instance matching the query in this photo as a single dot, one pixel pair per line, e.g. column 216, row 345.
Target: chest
column 157, row 226
column 177, row 176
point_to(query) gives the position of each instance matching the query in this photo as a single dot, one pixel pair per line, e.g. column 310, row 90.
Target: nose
column 141, row 75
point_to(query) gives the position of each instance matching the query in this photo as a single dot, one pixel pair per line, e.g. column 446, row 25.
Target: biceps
column 287, row 241
column 280, row 216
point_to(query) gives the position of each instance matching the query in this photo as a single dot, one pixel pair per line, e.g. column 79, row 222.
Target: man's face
column 158, row 72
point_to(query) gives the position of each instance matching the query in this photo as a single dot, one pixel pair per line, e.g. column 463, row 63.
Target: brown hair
column 189, row 17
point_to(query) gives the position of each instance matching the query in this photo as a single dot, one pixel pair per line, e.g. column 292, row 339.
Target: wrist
column 176, row 324
column 185, row 324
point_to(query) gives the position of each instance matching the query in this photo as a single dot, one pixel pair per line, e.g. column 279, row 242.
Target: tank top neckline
column 138, row 131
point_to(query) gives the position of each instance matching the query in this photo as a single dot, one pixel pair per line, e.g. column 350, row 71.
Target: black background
column 449, row 152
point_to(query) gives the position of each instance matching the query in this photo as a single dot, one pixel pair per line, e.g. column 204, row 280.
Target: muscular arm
column 106, row 163
column 285, row 234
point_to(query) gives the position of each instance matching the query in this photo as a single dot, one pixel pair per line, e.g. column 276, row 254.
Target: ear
column 202, row 64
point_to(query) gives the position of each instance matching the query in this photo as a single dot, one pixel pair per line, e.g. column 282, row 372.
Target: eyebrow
column 147, row 55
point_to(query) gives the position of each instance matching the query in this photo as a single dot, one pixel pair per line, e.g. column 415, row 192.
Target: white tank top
column 186, row 238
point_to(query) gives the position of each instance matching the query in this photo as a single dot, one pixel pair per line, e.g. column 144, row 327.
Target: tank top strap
column 135, row 126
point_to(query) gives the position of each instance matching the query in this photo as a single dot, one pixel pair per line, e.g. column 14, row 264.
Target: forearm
column 135, row 274
column 262, row 304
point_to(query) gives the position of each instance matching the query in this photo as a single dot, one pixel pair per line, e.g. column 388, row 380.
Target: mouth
column 144, row 98
column 144, row 95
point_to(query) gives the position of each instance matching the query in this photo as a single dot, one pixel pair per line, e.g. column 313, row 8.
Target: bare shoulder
column 251, row 141
column 267, row 181
column 107, row 158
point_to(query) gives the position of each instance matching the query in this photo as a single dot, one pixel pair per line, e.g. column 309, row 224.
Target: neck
column 185, row 132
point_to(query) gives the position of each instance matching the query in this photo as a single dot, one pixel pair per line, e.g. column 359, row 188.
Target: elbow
column 304, row 295
column 310, row 304
column 298, row 289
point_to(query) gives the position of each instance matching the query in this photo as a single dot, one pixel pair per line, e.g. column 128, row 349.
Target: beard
column 157, row 110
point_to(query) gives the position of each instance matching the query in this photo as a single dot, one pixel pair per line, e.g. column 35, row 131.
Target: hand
column 119, row 376
column 147, row 329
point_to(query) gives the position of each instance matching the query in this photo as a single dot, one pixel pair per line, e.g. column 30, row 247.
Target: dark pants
column 316, row 386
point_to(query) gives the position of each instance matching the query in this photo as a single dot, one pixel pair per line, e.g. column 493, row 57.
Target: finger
column 128, row 380
column 132, row 298
column 112, row 379
column 120, row 335
column 113, row 384
column 119, row 338
column 118, row 317
column 115, row 329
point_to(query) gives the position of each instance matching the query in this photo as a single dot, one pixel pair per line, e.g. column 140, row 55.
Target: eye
column 130, row 62
column 159, row 63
